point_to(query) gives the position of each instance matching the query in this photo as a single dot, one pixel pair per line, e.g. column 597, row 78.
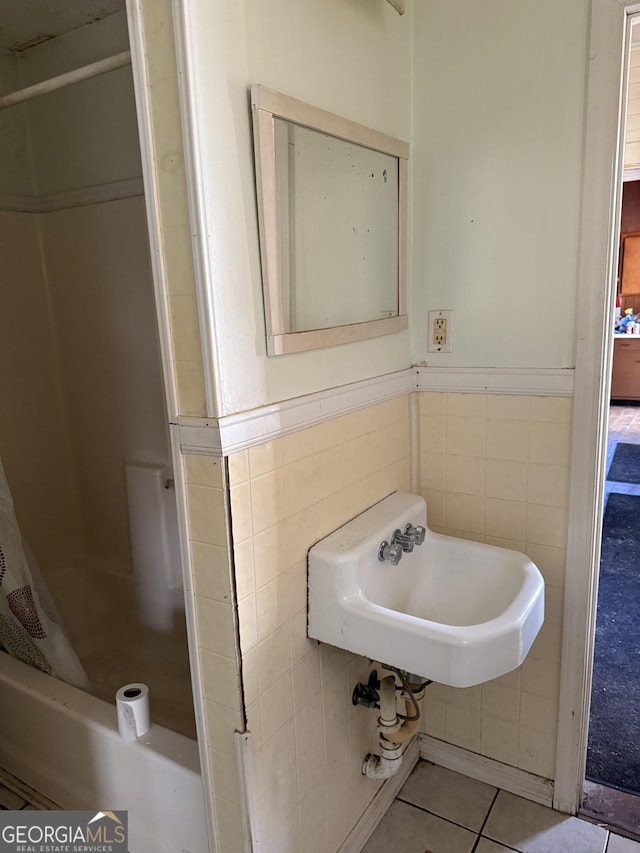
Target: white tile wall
column 210, row 555
column 490, row 469
column 175, row 230
column 496, row 468
column 308, row 739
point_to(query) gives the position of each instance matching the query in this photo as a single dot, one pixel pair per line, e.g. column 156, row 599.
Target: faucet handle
column 405, row 540
column 417, row 532
column 392, row 552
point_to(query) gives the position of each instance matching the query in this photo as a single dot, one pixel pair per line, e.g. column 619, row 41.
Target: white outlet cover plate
column 431, row 345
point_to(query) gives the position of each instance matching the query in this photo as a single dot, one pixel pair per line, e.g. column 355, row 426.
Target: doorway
column 612, row 776
column 611, row 30
column 612, row 779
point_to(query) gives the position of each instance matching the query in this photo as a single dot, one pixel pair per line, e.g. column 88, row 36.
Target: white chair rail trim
column 232, row 433
column 543, row 382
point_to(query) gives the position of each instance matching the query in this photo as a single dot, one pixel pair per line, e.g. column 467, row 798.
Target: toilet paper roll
column 132, row 705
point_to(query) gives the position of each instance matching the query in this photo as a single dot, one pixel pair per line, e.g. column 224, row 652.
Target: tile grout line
column 453, row 822
column 484, row 822
column 433, row 814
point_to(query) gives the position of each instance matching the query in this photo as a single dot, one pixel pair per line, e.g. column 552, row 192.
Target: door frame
column 603, row 155
column 140, row 52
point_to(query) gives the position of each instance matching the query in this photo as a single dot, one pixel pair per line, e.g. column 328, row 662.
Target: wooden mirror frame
column 268, row 105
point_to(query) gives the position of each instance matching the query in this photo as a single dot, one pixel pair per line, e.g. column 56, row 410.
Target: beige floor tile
column 486, row 846
column 410, row 830
column 447, row 794
column 532, row 828
column 618, row 844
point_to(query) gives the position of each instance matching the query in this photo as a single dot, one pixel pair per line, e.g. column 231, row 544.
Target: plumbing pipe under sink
column 394, row 732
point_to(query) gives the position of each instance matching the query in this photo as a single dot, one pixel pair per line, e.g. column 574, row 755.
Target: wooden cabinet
column 625, row 378
column 630, row 263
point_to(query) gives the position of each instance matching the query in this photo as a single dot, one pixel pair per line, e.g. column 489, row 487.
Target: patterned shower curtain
column 29, row 630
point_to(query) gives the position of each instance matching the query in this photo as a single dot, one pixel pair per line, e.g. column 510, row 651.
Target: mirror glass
column 338, row 207
column 332, row 214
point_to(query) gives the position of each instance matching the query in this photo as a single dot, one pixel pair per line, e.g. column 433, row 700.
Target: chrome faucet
column 417, row 532
column 411, row 536
column 405, row 540
column 391, row 552
column 401, row 542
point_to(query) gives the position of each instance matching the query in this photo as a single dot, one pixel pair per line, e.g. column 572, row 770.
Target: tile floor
column 439, row 811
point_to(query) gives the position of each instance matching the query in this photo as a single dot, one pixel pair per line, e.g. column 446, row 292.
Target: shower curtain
column 29, row 627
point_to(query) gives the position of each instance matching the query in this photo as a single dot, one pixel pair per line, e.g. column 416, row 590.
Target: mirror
column 332, row 211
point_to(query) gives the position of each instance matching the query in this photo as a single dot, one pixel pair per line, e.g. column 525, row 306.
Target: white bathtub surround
column 65, row 744
column 98, row 609
column 155, row 550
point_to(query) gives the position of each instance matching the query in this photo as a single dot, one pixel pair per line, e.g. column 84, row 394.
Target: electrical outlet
column 440, row 331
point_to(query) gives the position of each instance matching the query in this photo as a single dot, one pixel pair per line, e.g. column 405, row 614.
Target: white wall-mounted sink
column 454, row 611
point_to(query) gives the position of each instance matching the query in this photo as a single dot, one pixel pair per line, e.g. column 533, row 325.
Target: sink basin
column 453, row 611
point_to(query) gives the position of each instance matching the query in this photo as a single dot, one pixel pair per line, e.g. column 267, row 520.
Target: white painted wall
column 496, row 133
column 352, row 57
column 86, row 134
column 497, row 147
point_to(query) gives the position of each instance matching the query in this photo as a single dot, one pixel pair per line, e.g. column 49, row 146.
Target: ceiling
column 24, row 23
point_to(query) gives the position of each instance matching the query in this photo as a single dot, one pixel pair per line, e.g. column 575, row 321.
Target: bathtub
column 65, row 744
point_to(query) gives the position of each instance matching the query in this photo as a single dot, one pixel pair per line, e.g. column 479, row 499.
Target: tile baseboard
column 512, row 779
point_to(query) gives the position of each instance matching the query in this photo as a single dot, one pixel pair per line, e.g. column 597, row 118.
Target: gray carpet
column 613, row 755
column 625, row 465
